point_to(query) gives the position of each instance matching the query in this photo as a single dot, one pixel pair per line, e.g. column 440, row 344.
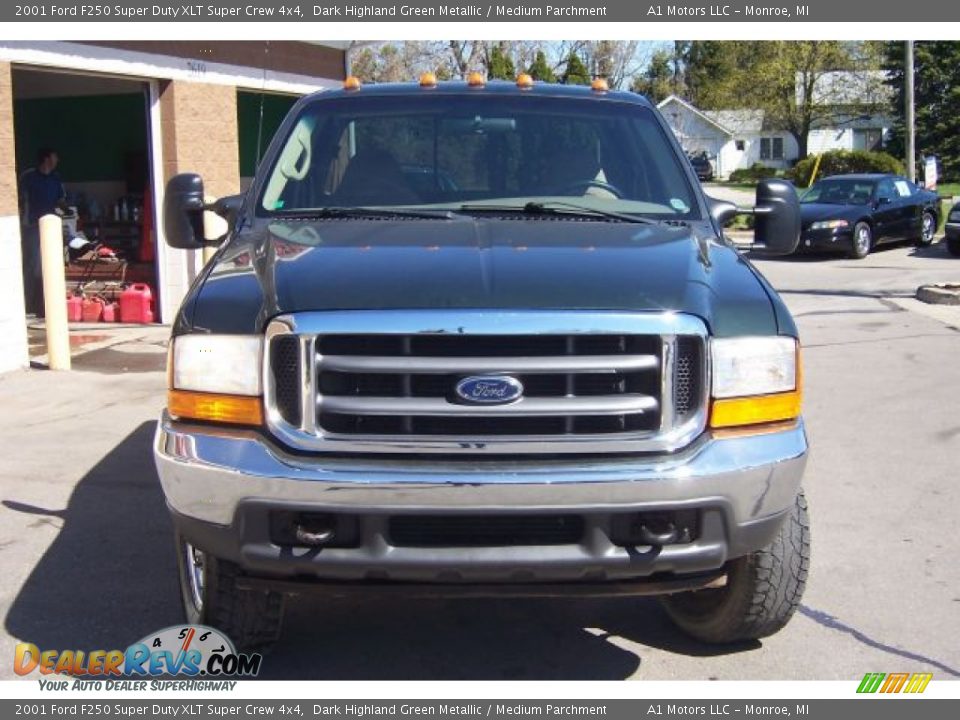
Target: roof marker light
column 524, row 81
column 475, row 79
column 428, row 80
column 599, row 85
column 352, row 83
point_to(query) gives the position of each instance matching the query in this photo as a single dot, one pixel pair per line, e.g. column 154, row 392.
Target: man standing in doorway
column 41, row 193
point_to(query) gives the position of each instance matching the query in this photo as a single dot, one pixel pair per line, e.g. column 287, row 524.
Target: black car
column 701, row 166
column 855, row 213
column 953, row 231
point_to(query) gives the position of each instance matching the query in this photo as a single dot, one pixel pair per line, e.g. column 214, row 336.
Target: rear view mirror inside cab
column 477, row 125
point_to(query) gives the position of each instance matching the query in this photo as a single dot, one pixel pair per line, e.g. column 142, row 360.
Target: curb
column 940, row 294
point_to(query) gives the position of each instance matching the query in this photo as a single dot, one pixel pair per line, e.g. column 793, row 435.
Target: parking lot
column 88, row 556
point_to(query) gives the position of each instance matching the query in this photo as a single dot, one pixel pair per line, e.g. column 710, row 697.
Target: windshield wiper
column 559, row 207
column 341, row 211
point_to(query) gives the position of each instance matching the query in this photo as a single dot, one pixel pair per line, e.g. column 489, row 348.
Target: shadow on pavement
column 110, row 578
column 528, row 639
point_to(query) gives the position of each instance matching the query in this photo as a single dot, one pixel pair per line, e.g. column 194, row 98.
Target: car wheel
column 862, row 241
column 762, row 593
column 928, row 229
column 953, row 246
column 208, row 588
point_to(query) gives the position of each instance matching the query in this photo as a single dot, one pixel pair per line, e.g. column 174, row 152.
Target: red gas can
column 74, row 308
column 111, row 312
column 136, row 304
column 92, row 309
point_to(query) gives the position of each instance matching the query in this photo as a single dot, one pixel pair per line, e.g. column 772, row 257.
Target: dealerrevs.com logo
column 180, row 650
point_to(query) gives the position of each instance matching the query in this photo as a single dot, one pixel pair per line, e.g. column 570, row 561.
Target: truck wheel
column 763, row 589
column 862, row 241
column 953, row 246
column 208, row 587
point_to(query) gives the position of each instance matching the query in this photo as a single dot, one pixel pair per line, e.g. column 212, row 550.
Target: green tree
column 790, row 81
column 657, row 81
column 499, row 64
column 575, row 72
column 540, row 69
column 936, row 81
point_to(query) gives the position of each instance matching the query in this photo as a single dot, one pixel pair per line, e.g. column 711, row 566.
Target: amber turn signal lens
column 733, row 412
column 475, row 79
column 600, row 85
column 524, row 81
column 428, row 80
column 234, row 409
column 352, row 83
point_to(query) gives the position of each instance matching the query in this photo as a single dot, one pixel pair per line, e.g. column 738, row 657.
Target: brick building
column 125, row 117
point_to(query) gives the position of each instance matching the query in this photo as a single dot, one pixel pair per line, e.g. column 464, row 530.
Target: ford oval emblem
column 489, row 390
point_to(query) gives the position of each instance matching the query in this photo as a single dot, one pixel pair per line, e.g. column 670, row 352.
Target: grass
column 948, row 190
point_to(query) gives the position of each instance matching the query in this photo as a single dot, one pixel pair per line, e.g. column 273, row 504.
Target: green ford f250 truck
column 483, row 338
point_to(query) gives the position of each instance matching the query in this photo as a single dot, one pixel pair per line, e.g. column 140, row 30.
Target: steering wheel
column 592, row 183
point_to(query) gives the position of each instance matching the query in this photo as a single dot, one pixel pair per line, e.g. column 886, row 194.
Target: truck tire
column 763, row 589
column 208, row 588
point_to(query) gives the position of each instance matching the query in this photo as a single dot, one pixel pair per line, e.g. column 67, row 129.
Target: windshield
column 447, row 152
column 839, row 191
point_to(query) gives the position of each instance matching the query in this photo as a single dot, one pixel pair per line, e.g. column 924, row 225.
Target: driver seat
column 374, row 177
column 568, row 167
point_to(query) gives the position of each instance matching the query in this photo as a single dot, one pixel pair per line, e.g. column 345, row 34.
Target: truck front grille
column 404, row 385
column 396, row 389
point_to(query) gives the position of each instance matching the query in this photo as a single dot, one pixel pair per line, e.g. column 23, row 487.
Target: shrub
column 753, row 174
column 841, row 162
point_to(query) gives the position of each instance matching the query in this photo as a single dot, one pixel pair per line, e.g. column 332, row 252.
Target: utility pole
column 911, row 153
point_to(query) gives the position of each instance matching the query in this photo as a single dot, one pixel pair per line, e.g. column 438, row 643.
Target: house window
column 867, row 139
column 771, row 148
column 741, row 145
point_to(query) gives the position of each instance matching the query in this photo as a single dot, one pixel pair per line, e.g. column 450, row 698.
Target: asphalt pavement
column 87, row 560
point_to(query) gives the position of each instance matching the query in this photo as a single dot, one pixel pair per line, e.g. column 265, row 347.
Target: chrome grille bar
column 466, row 365
column 525, row 407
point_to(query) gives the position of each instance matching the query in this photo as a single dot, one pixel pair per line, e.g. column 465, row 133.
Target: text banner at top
column 615, row 11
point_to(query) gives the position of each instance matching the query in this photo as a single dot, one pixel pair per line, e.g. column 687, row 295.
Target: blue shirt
column 41, row 193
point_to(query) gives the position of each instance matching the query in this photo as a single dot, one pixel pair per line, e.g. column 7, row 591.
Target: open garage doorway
column 99, row 127
column 258, row 117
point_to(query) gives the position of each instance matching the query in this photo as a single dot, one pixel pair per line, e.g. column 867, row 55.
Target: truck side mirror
column 183, row 212
column 722, row 211
column 776, row 217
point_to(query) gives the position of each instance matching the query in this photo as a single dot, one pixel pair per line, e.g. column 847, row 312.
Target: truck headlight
column 829, row 225
column 755, row 380
column 216, row 378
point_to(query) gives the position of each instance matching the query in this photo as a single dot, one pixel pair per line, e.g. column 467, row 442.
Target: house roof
column 673, row 99
column 739, row 122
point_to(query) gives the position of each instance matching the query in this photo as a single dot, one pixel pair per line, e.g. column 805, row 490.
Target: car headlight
column 216, row 378
column 954, row 216
column 829, row 224
column 755, row 380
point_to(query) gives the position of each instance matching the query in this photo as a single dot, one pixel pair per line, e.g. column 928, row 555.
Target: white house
column 738, row 139
column 732, row 139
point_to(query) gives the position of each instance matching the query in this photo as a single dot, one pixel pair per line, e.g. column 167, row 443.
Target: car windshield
column 445, row 151
column 839, row 191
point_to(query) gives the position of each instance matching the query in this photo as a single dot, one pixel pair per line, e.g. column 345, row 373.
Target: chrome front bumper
column 220, row 485
column 207, row 472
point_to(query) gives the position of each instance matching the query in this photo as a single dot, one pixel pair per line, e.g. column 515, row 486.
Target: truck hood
column 545, row 263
